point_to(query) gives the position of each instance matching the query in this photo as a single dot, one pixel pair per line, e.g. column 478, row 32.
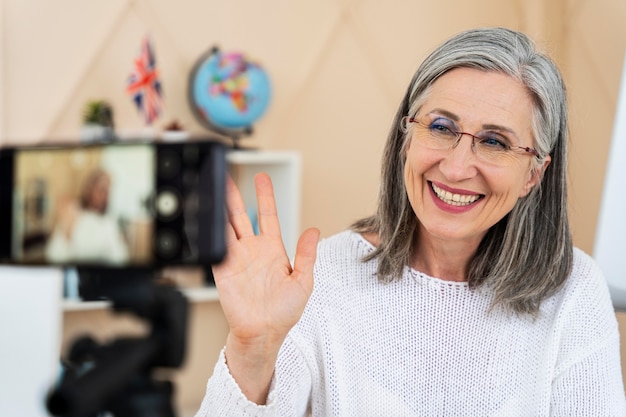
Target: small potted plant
column 97, row 122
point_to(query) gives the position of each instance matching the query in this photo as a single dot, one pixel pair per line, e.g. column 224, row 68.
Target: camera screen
column 84, row 205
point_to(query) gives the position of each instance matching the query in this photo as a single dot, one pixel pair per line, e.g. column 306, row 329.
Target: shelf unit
column 284, row 168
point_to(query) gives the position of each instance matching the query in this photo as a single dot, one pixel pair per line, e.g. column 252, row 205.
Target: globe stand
column 236, row 138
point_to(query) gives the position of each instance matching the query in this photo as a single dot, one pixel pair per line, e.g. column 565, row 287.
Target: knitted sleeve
column 289, row 391
column 588, row 379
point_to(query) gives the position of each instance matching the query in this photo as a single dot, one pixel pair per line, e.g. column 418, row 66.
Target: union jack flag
column 144, row 84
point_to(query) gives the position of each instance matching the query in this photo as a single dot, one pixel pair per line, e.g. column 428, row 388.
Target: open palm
column 261, row 293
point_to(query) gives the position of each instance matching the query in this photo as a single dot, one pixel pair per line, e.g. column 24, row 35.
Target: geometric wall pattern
column 338, row 69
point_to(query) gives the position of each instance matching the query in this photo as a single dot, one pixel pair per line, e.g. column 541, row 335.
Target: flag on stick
column 144, row 85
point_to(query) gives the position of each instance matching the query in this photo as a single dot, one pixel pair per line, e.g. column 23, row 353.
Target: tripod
column 116, row 377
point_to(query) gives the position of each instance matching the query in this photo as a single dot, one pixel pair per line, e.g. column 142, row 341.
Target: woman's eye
column 494, row 140
column 442, row 127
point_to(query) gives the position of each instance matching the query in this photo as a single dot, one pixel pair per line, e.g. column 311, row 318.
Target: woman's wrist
column 252, row 364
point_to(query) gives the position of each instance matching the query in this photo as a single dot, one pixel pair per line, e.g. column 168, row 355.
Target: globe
column 227, row 92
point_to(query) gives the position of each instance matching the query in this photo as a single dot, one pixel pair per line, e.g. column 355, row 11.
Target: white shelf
column 198, row 295
column 80, row 305
column 254, row 157
column 193, row 295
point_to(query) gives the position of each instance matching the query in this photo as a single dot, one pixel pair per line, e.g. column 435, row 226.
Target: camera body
column 126, row 204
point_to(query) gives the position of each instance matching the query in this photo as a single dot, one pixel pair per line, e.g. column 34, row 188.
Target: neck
column 444, row 259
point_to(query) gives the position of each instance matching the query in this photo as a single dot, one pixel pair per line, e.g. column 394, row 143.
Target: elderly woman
column 461, row 296
column 84, row 232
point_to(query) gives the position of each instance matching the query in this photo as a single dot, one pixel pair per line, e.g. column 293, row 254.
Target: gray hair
column 527, row 255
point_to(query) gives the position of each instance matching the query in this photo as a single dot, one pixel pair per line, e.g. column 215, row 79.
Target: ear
column 404, row 127
column 535, row 176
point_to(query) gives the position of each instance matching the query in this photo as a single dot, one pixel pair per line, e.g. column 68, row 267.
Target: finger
column 237, row 214
column 306, row 253
column 231, row 240
column 230, row 235
column 268, row 215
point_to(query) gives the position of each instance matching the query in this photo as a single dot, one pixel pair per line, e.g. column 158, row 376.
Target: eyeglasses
column 489, row 146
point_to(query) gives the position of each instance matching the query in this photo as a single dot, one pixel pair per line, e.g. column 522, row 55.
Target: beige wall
column 338, row 68
column 593, row 57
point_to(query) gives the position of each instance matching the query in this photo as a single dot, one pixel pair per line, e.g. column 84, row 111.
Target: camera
column 124, row 204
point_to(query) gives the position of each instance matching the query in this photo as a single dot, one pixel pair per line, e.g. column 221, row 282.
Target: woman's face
column 455, row 195
column 99, row 194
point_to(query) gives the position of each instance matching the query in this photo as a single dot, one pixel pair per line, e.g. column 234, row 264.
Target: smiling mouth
column 455, row 199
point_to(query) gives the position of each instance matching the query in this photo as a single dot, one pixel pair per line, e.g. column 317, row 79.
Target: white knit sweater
column 422, row 346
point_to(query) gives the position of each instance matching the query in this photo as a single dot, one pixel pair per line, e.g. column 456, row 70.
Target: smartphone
column 113, row 205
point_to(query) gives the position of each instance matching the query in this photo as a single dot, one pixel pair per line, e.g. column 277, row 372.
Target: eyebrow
column 457, row 119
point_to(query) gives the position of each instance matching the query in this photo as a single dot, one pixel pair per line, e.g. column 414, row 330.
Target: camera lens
column 167, row 244
column 168, row 165
column 167, row 204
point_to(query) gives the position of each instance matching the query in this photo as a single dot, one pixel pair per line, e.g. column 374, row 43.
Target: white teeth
column 454, row 199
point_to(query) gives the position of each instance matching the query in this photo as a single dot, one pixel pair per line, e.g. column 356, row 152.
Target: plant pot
column 96, row 133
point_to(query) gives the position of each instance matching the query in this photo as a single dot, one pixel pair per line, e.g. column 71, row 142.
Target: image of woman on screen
column 83, row 231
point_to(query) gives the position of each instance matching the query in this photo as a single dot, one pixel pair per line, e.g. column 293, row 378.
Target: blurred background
column 338, row 70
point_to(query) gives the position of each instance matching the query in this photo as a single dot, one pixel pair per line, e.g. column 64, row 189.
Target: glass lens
column 492, row 147
column 441, row 134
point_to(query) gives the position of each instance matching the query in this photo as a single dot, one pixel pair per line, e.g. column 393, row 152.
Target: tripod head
column 117, row 376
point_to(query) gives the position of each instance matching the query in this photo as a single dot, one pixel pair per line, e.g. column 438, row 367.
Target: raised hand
column 262, row 294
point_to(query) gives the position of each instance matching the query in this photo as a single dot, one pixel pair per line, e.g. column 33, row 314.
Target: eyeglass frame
column 459, row 135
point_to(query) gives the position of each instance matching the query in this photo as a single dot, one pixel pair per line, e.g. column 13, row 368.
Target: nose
column 459, row 163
